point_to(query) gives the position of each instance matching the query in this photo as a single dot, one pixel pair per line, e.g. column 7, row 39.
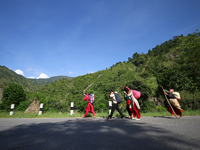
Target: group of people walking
column 129, row 95
column 132, row 104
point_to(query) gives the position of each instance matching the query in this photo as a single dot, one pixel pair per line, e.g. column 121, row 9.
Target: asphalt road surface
column 156, row 133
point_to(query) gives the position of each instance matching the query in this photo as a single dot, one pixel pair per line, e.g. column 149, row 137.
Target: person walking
column 114, row 106
column 134, row 102
column 89, row 106
column 128, row 105
column 174, row 103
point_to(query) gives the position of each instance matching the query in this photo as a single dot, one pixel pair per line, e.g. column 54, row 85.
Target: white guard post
column 40, row 111
column 110, row 106
column 72, row 106
column 12, row 109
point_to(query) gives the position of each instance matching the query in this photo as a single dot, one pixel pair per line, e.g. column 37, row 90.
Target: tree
column 190, row 63
column 13, row 94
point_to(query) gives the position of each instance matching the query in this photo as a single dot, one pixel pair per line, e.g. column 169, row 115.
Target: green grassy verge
column 21, row 114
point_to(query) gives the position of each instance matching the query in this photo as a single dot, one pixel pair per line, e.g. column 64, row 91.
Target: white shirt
column 112, row 97
column 134, row 99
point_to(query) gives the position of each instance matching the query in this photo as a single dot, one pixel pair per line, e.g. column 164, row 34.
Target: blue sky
column 45, row 38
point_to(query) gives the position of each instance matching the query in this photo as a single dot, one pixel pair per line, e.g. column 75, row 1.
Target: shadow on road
column 90, row 133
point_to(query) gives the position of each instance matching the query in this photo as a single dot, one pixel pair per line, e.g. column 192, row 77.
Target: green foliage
column 23, row 105
column 175, row 63
column 13, row 94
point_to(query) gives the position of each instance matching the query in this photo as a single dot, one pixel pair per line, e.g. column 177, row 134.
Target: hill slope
column 8, row 76
column 139, row 72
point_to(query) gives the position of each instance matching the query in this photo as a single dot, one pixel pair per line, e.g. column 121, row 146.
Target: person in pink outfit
column 89, row 106
column 134, row 104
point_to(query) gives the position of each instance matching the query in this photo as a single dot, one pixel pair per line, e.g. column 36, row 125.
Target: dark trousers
column 129, row 111
column 115, row 106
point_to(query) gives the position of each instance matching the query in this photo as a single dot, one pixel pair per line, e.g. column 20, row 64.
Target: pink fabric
column 127, row 88
column 136, row 94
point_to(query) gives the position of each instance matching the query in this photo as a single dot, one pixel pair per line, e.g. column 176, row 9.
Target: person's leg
column 92, row 110
column 128, row 102
column 133, row 113
column 112, row 110
column 170, row 110
column 86, row 113
column 117, row 107
column 137, row 111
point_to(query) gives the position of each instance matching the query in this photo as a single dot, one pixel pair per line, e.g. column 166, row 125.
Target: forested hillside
column 8, row 76
column 173, row 64
column 141, row 72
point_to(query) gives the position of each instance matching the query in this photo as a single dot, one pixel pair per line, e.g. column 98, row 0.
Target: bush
column 13, row 94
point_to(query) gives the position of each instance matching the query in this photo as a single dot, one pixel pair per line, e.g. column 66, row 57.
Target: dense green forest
column 172, row 64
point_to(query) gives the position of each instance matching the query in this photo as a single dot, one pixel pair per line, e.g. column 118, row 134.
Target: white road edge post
column 12, row 109
column 110, row 106
column 40, row 111
column 72, row 106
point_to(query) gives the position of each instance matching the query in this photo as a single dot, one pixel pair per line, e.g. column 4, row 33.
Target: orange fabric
column 177, row 111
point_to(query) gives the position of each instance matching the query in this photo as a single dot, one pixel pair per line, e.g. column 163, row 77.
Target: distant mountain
column 8, row 76
column 48, row 80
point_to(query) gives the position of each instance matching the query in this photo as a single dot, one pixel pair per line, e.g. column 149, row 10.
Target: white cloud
column 31, row 77
column 18, row 71
column 91, row 72
column 42, row 76
column 70, row 73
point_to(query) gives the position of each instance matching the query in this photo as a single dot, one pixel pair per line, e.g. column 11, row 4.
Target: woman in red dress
column 89, row 106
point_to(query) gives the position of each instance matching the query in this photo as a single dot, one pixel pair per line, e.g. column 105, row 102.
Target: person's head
column 171, row 90
column 126, row 89
column 110, row 91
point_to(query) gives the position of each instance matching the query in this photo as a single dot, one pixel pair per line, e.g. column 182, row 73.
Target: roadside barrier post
column 12, row 109
column 40, row 111
column 72, row 106
column 110, row 106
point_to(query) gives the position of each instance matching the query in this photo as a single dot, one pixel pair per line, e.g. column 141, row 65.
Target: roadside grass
column 21, row 114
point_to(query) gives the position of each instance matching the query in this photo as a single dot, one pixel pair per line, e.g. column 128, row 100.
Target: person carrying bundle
column 89, row 106
column 173, row 99
column 116, row 99
column 134, row 95
column 128, row 105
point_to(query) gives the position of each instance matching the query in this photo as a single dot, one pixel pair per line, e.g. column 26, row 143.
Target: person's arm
column 85, row 98
column 130, row 93
column 112, row 97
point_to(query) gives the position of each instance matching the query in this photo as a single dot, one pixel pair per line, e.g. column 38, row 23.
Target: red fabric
column 177, row 111
column 89, row 108
column 87, row 98
column 135, row 111
column 128, row 102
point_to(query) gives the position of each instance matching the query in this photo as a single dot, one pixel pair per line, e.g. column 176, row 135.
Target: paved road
column 156, row 133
